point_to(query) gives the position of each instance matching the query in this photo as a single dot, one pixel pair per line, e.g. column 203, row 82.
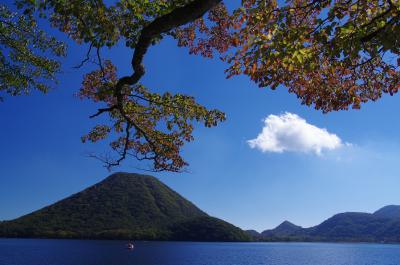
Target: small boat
column 130, row 245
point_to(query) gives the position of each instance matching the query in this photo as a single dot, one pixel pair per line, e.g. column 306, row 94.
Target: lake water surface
column 93, row 252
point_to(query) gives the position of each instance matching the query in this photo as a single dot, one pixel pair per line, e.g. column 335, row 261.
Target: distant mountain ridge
column 381, row 226
column 133, row 206
column 285, row 229
column 124, row 205
column 390, row 211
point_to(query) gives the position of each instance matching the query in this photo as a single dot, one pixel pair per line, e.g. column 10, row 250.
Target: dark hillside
column 121, row 206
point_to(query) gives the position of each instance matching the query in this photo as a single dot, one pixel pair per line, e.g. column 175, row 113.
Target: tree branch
column 86, row 59
column 178, row 17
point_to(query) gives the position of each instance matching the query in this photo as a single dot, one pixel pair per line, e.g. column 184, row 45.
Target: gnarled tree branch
column 163, row 24
column 178, row 17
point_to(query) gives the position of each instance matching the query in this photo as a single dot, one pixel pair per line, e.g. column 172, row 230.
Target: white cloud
column 289, row 132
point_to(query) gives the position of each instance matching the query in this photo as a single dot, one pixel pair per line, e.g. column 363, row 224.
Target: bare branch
column 87, row 57
column 101, row 111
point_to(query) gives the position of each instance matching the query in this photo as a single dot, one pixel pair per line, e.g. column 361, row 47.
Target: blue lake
column 93, row 252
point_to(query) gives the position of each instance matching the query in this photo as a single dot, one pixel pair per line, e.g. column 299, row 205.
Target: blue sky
column 42, row 159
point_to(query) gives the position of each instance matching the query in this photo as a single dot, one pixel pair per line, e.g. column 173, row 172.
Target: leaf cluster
column 331, row 54
column 150, row 126
column 28, row 56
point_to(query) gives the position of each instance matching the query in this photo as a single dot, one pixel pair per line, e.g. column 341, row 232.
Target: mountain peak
column 127, row 176
column 389, row 211
column 128, row 181
column 121, row 202
column 287, row 224
column 124, row 205
column 286, row 228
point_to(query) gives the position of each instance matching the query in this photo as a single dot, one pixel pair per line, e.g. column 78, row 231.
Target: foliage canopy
column 26, row 55
column 332, row 54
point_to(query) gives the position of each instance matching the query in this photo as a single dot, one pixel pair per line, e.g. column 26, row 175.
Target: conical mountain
column 285, row 229
column 123, row 205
